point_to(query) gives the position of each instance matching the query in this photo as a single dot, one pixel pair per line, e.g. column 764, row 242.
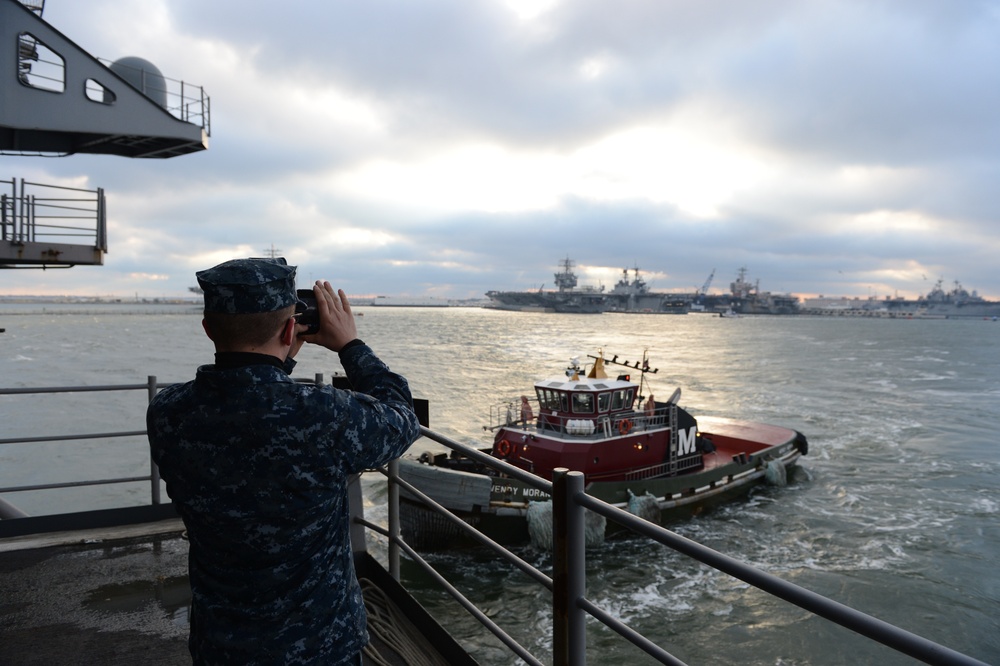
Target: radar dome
column 144, row 76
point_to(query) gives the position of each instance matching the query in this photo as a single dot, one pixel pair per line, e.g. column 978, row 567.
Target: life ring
column 504, row 448
column 624, row 426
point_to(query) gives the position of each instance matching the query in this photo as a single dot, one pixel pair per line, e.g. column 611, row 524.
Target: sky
column 444, row 148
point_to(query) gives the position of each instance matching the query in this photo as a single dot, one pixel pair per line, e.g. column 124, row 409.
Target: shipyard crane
column 708, row 283
column 698, row 302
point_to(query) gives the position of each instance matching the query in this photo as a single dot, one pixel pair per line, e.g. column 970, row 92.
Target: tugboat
column 651, row 457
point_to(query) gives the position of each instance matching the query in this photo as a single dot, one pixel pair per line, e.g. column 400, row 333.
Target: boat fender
column 504, row 448
column 801, row 443
column 645, row 506
column 624, row 426
column 539, row 519
column 775, row 473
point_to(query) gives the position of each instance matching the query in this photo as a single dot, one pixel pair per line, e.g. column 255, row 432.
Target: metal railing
column 581, row 426
column 568, row 582
column 34, row 212
column 184, row 101
column 10, row 510
column 153, row 477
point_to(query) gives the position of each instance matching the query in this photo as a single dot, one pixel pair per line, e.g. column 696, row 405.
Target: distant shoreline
column 376, row 301
column 95, row 300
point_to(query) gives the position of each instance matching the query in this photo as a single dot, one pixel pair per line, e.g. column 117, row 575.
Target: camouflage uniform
column 258, row 466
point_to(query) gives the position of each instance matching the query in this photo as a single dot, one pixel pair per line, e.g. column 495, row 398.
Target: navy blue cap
column 246, row 286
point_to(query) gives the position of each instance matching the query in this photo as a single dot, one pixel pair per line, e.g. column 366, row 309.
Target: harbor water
column 895, row 511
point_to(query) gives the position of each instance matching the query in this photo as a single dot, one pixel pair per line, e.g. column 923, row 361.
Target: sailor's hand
column 336, row 321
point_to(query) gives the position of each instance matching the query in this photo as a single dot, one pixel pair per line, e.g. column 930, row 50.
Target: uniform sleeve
column 386, row 424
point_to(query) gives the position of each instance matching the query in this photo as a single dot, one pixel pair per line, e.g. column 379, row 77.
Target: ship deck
column 120, row 596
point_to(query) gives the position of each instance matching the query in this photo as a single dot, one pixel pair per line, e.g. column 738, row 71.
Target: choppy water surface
column 896, row 510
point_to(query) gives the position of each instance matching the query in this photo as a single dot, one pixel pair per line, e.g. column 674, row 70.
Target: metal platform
column 49, row 226
column 120, row 595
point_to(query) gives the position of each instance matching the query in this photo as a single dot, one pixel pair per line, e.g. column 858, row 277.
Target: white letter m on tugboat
column 686, row 441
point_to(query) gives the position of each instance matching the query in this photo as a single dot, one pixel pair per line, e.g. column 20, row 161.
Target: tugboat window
column 619, row 401
column 543, row 399
column 603, row 402
column 583, row 403
column 552, row 400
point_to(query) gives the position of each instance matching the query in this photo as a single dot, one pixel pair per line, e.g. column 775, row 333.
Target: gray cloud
column 872, row 124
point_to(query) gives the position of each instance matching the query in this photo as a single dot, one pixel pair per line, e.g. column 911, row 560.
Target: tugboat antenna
column 642, row 367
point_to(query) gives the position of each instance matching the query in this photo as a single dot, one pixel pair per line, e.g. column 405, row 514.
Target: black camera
column 306, row 311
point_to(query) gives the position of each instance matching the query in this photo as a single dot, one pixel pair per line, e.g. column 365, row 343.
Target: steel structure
column 57, row 99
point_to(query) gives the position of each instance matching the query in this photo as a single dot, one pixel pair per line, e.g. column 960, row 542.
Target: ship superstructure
column 634, row 295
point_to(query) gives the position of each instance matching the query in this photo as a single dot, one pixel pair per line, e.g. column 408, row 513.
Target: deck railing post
column 20, row 210
column 29, row 228
column 154, row 469
column 101, row 240
column 394, row 518
column 569, row 642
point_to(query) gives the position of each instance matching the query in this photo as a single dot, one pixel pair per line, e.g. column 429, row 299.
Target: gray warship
column 634, row 295
column 631, row 294
column 956, row 303
column 567, row 298
column 746, row 298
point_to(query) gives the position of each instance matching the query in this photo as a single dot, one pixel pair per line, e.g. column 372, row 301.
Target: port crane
column 704, row 288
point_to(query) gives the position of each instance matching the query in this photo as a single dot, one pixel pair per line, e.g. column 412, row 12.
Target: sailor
column 526, row 414
column 650, row 406
column 258, row 467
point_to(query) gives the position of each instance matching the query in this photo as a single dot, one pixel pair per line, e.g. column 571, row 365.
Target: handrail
column 30, row 217
column 184, row 101
column 858, row 622
column 150, row 387
column 153, row 477
column 569, row 570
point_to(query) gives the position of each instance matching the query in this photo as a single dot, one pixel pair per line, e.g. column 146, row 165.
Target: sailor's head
column 248, row 286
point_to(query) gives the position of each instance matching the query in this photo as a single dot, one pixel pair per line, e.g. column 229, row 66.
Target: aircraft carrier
column 631, row 294
column 568, row 297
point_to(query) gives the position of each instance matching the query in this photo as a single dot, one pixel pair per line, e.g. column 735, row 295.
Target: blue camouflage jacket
column 257, row 466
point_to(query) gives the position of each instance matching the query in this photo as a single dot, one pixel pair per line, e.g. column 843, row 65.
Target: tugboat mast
column 642, row 366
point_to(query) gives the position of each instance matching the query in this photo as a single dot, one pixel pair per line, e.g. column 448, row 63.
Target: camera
column 306, row 310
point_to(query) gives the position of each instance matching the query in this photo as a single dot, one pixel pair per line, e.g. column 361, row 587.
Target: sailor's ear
column 288, row 332
column 204, row 325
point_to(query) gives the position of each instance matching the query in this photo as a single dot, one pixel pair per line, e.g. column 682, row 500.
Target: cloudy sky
column 448, row 147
